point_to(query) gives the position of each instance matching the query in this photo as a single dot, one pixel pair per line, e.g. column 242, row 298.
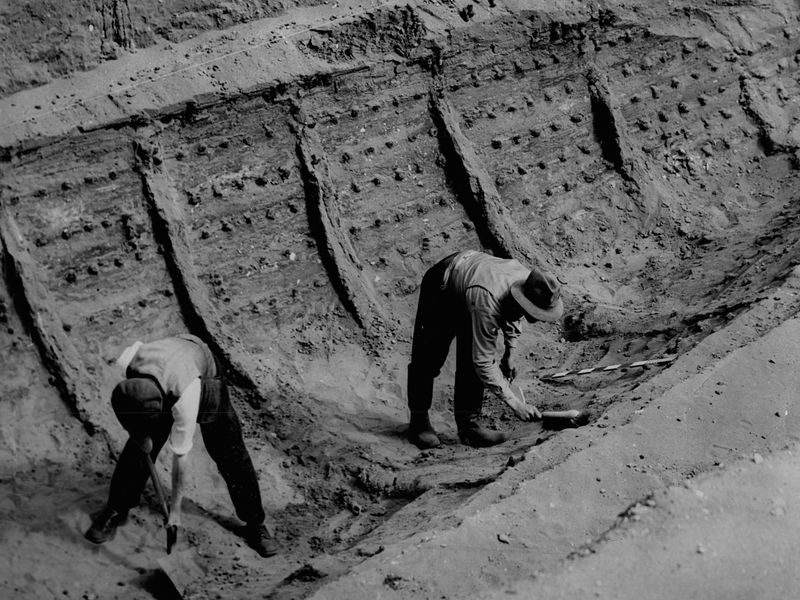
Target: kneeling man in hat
column 171, row 386
column 472, row 296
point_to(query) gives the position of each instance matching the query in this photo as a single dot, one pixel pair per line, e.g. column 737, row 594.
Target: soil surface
column 723, row 535
column 277, row 177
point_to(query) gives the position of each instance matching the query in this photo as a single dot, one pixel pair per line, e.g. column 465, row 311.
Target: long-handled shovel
column 180, row 568
column 172, row 530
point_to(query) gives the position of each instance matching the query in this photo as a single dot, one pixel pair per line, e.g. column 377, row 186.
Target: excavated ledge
column 35, row 307
column 611, row 130
column 475, row 187
column 199, row 314
column 344, row 266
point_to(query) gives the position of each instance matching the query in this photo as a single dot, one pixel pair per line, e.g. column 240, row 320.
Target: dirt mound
column 645, row 155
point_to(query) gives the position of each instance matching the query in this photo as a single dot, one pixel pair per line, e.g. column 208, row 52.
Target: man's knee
column 423, row 371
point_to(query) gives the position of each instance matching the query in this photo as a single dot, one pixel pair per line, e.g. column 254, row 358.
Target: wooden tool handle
column 172, row 530
column 162, row 497
column 561, row 414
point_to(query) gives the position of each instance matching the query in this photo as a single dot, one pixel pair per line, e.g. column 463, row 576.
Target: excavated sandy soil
column 280, row 187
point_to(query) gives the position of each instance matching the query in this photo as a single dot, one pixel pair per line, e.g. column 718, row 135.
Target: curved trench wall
column 289, row 228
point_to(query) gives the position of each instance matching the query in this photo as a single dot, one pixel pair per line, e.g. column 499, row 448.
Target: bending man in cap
column 172, row 385
column 472, row 296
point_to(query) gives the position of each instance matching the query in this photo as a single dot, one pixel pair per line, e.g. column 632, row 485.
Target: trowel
column 180, row 567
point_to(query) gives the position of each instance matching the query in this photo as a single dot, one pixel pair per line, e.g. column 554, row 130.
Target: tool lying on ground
column 605, row 368
column 561, row 419
column 172, row 530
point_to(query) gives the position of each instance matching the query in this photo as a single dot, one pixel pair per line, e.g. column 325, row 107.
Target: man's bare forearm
column 180, row 464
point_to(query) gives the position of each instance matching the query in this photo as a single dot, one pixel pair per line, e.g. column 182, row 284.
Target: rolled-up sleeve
column 184, row 414
column 511, row 333
column 485, row 327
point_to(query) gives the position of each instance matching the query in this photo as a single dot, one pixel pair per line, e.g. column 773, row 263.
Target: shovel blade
column 172, row 537
column 182, row 570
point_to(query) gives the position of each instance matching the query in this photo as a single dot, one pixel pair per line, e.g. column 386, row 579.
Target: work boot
column 261, row 540
column 421, row 433
column 476, row 436
column 104, row 525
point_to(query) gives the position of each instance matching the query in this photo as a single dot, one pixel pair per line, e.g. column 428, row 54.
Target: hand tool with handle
column 560, row 418
column 180, row 568
column 172, row 530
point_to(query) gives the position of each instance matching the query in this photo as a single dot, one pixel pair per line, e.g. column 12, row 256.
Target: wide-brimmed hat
column 137, row 402
column 539, row 296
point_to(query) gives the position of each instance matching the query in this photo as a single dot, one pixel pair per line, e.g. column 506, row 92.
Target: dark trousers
column 442, row 316
column 223, row 439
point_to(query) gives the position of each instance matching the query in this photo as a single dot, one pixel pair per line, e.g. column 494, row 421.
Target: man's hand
column 525, row 411
column 174, row 518
column 506, row 368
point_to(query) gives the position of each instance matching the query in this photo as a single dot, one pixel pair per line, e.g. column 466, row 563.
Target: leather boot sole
column 481, row 438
